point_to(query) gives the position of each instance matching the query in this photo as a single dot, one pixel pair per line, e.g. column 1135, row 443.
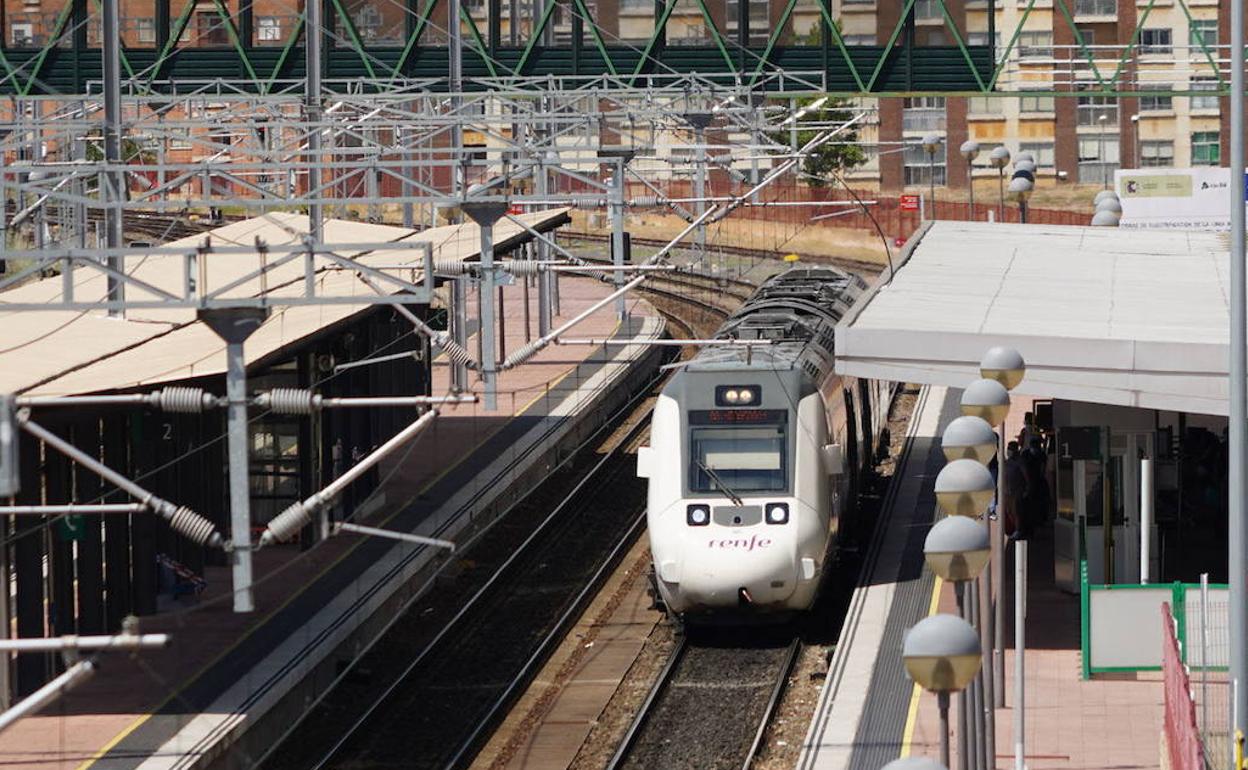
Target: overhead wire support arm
column 287, row 524
column 66, row 681
column 346, row 526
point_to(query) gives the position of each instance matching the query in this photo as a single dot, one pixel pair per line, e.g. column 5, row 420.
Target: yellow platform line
column 141, row 720
column 912, row 715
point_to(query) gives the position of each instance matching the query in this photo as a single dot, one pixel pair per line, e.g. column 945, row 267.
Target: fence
column 1208, row 655
column 1183, row 742
column 884, row 209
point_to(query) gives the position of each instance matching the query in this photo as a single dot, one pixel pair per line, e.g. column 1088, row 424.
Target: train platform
column 871, row 713
column 231, row 685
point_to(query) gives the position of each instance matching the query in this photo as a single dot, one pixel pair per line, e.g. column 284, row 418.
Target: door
column 1080, row 500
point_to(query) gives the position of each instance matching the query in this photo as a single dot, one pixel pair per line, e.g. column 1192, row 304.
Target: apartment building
column 1073, row 138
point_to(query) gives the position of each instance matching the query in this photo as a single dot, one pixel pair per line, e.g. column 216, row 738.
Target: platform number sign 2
column 1079, row 443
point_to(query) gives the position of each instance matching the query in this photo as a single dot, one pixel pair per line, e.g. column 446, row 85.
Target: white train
column 756, row 452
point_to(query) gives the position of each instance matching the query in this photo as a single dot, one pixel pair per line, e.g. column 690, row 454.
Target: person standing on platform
column 1015, row 488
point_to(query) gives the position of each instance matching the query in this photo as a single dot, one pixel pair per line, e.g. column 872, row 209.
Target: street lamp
column 957, row 549
column 1020, row 191
column 1135, row 130
column 1105, row 219
column 1000, row 158
column 964, row 488
column 1102, row 195
column 969, row 438
column 970, row 151
column 942, row 654
column 931, row 144
column 1101, row 152
column 1110, row 204
column 1006, row 367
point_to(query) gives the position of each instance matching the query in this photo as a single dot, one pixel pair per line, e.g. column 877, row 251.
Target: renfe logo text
column 740, row 544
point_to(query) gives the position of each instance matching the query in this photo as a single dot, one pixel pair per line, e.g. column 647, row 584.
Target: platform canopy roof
column 59, row 352
column 1102, row 315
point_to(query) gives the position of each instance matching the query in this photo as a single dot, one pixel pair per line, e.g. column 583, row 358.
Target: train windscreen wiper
column 733, row 496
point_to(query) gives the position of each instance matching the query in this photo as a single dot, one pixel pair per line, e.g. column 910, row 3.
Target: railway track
column 713, row 701
column 429, row 693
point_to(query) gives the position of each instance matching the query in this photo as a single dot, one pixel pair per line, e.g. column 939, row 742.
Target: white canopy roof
column 1103, row 315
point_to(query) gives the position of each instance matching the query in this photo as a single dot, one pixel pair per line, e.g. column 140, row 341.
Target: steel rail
column 487, row 587
column 660, row 685
column 777, row 692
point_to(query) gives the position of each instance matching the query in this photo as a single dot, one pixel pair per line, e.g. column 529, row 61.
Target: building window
column 1206, row 149
column 1156, row 154
column 984, row 105
column 210, row 29
column 1097, row 111
column 858, row 39
column 760, row 22
column 145, row 29
column 921, row 168
column 1096, row 7
column 1035, row 45
column 1202, row 31
column 1098, row 157
column 1155, row 41
column 268, row 29
column 22, row 34
column 927, row 9
column 1157, row 103
column 1032, row 104
column 923, row 113
column 1204, row 83
column 1043, row 152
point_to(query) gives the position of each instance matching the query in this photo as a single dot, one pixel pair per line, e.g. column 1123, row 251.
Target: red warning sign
column 909, row 203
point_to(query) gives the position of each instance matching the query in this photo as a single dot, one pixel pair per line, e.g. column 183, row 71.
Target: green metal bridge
column 416, row 55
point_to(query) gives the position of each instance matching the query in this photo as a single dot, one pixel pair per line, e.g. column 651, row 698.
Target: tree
column 833, row 157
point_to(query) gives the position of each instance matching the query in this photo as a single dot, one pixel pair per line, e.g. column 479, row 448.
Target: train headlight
column 777, row 513
column 698, row 515
column 738, row 395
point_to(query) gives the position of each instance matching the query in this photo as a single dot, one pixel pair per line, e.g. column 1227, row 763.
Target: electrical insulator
column 10, row 478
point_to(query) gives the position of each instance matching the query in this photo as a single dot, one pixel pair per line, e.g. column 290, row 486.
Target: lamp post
column 1100, row 137
column 957, row 550
column 1000, row 158
column 1108, row 210
column 931, row 144
column 1138, row 153
column 1006, row 367
column 970, row 151
column 1020, row 191
column 989, row 401
column 942, row 654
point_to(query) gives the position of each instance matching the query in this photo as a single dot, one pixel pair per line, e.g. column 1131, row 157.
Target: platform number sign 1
column 1079, row 443
column 10, row 479
column 909, row 203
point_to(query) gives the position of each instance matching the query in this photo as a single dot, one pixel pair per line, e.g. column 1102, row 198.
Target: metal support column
column 234, row 326
column 112, row 183
column 1238, row 439
column 485, row 214
column 620, row 158
column 699, row 121
column 314, row 38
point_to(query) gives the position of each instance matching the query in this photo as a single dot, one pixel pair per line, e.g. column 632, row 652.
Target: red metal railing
column 1182, row 733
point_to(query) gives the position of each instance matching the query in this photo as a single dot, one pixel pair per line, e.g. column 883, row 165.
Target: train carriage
column 756, row 452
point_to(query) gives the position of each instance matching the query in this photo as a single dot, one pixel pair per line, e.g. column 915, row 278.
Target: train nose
column 735, row 571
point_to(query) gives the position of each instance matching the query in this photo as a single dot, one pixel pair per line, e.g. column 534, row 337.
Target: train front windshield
column 745, row 459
